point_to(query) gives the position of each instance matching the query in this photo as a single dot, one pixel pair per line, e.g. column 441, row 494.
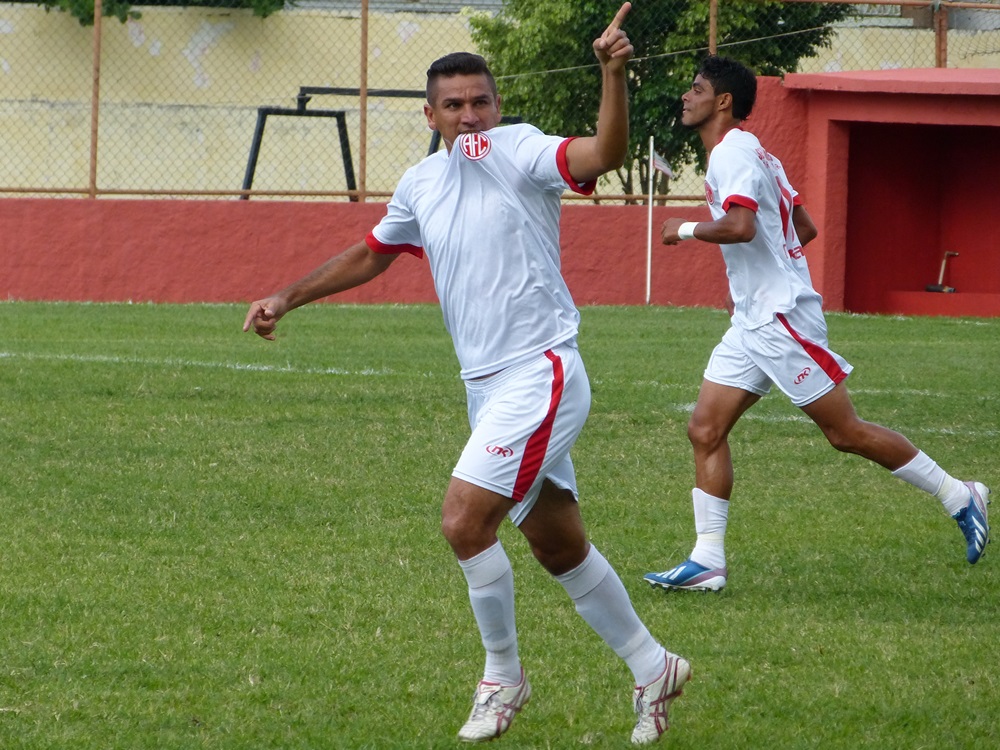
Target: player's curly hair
column 730, row 77
column 458, row 64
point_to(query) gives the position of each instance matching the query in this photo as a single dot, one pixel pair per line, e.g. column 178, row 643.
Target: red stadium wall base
column 879, row 157
column 235, row 251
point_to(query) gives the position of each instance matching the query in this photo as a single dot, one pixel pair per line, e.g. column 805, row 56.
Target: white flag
column 661, row 164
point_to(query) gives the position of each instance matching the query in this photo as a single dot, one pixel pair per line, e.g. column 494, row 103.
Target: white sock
column 603, row 603
column 491, row 592
column 711, row 515
column 924, row 474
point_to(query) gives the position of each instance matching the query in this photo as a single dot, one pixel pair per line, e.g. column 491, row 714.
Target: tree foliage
column 542, row 57
column 83, row 10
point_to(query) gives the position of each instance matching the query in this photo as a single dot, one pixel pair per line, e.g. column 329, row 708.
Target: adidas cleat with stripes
column 691, row 576
column 973, row 521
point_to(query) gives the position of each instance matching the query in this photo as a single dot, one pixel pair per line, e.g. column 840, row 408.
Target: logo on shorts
column 499, row 450
column 802, row 375
column 475, row 146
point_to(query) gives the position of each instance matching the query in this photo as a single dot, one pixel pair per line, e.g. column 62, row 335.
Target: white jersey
column 769, row 274
column 487, row 216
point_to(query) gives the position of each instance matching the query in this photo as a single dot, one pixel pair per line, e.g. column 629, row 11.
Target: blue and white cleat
column 972, row 520
column 691, row 576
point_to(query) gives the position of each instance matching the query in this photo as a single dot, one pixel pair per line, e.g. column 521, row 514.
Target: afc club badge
column 709, row 194
column 475, row 146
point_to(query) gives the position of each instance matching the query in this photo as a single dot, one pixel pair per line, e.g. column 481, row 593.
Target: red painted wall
column 225, row 251
column 895, row 167
column 901, row 167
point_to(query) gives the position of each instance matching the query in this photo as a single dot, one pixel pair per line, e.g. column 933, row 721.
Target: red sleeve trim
column 740, row 200
column 586, row 188
column 380, row 247
column 797, row 201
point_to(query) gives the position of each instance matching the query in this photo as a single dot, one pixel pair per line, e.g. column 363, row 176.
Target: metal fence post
column 95, row 101
column 363, row 107
column 940, row 35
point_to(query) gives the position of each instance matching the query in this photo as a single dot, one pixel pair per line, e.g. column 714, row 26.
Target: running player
column 778, row 333
column 485, row 213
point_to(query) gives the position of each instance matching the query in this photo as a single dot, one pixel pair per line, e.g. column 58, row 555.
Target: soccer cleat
column 972, row 520
column 493, row 709
column 689, row 575
column 652, row 702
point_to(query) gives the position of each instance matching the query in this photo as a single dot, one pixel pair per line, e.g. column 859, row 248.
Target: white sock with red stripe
column 603, row 602
column 924, row 474
column 491, row 593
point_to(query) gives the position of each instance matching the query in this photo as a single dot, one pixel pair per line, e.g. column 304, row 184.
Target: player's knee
column 837, row 440
column 704, row 435
column 560, row 559
column 455, row 529
column 845, row 441
column 467, row 529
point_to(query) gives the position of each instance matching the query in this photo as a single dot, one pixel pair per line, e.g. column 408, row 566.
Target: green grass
column 212, row 541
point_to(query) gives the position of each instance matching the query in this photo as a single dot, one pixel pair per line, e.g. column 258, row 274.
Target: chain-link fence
column 323, row 98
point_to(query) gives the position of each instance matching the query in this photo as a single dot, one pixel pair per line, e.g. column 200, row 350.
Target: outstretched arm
column 589, row 158
column 353, row 267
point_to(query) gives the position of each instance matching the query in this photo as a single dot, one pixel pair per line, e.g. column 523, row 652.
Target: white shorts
column 790, row 352
column 524, row 421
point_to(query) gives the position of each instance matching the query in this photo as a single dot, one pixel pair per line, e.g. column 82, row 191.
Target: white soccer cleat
column 652, row 701
column 493, row 709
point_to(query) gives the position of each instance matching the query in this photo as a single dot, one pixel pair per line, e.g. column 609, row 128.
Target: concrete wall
column 180, row 89
column 879, row 159
column 901, row 167
column 225, row 251
column 228, row 250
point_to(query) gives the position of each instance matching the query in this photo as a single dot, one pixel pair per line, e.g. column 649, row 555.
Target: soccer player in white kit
column 485, row 213
column 778, row 334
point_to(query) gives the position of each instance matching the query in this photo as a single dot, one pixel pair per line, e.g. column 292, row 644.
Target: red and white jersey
column 769, row 274
column 487, row 216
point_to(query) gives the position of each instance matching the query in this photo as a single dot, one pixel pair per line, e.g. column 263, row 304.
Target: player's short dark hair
column 458, row 64
column 730, row 77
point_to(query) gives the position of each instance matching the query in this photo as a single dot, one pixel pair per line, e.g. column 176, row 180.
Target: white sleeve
column 399, row 226
column 737, row 177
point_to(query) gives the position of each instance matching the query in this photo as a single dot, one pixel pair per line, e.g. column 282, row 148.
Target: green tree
column 83, row 10
column 542, row 57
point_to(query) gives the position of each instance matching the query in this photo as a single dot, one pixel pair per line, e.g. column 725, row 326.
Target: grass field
column 212, row 541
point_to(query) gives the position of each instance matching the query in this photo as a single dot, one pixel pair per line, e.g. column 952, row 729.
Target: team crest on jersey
column 709, row 194
column 475, row 146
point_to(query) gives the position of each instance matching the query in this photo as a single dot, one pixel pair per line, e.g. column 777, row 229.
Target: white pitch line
column 239, row 367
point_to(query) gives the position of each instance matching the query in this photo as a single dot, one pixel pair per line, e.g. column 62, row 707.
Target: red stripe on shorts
column 538, row 443
column 819, row 355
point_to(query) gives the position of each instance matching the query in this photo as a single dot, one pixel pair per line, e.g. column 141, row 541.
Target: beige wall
column 180, row 88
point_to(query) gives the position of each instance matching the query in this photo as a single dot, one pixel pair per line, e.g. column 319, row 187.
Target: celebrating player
column 486, row 214
column 778, row 333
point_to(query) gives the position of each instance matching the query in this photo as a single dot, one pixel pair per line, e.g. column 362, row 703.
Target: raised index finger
column 619, row 17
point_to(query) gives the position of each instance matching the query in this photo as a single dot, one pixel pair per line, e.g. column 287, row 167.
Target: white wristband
column 686, row 230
